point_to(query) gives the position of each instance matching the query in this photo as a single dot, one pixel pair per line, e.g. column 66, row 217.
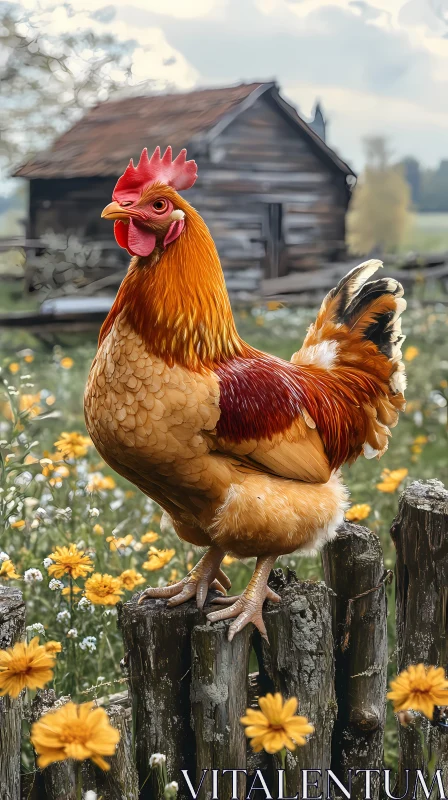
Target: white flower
column 72, row 633
column 94, row 512
column 23, row 480
column 37, row 627
column 3, row 556
column 35, row 524
column 171, row 789
column 100, row 679
column 63, row 616
column 88, row 643
column 85, row 605
column 81, row 545
column 157, row 759
column 32, row 575
column 54, row 584
column 40, row 512
column 47, row 562
column 90, row 795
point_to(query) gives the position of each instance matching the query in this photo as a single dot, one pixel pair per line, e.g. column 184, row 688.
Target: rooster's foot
column 229, row 600
column 204, row 576
column 248, row 607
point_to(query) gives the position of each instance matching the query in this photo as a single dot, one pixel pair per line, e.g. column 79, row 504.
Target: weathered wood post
column 158, row 658
column 420, row 535
column 354, row 570
column 12, row 626
column 122, row 779
column 299, row 662
column 219, row 689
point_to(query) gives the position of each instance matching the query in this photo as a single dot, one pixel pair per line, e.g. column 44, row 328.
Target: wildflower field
column 77, row 539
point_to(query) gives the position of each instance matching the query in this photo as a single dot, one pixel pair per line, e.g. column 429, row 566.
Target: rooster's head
column 146, row 207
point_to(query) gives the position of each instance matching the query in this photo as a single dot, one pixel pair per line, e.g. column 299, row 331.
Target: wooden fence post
column 122, row 779
column 219, row 688
column 420, row 535
column 12, row 626
column 354, row 570
column 158, row 658
column 299, row 661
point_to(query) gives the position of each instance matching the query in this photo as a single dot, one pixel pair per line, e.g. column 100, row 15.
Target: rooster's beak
column 115, row 211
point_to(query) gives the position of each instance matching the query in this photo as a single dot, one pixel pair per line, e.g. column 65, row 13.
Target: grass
column 428, row 232
column 85, row 503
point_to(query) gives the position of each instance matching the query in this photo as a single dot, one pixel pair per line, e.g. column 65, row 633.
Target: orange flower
column 419, row 688
column 25, row 666
column 149, row 537
column 391, row 479
column 76, row 732
column 103, row 590
column 66, row 362
column 8, row 570
column 73, row 445
column 53, row 646
column 130, row 579
column 157, row 559
column 119, row 543
column 276, row 726
column 358, row 512
column 69, row 561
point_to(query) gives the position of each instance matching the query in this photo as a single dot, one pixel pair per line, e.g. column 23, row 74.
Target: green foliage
column 379, row 210
column 47, row 80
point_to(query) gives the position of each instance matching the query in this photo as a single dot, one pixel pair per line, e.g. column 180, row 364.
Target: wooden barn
column 273, row 193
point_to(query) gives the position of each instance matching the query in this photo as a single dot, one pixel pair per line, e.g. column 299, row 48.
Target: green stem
column 282, row 757
column 78, row 773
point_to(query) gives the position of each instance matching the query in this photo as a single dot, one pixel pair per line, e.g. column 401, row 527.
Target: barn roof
column 100, row 143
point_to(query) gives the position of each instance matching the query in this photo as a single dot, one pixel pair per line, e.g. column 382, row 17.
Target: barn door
column 274, row 239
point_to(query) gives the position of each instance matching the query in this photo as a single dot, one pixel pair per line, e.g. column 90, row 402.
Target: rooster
column 241, row 449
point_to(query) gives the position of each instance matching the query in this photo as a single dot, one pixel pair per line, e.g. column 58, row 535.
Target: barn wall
column 260, row 159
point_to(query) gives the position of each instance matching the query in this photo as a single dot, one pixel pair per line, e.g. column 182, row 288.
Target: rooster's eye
column 160, row 205
column 126, row 203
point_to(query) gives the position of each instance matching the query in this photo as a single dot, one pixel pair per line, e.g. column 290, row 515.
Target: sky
column 379, row 67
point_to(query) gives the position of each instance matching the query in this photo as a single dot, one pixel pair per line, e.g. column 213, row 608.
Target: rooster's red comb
column 180, row 173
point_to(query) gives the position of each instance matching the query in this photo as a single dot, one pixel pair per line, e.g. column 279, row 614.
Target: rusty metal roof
column 101, row 143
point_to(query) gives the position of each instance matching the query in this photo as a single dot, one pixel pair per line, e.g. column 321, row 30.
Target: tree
column 48, row 81
column 379, row 213
column 413, row 175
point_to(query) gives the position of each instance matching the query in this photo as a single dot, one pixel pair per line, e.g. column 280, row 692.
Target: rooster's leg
column 248, row 607
column 204, row 576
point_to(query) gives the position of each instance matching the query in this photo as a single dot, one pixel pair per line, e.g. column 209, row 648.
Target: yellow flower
column 120, row 543
column 25, row 666
column 74, row 731
column 8, row 570
column 358, row 512
column 275, row 726
column 421, row 440
column 29, row 358
column 130, row 579
column 20, row 523
column 158, row 559
column 14, row 367
column 391, row 479
column 444, row 384
column 29, row 459
column 98, row 483
column 103, row 589
column 419, row 688
column 27, row 402
column 73, row 445
column 410, row 353
column 53, row 647
column 259, row 320
column 228, row 560
column 50, row 400
column 273, row 305
column 149, row 537
column 66, row 363
column 75, row 590
column 98, row 529
column 69, row 561
column 173, row 576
